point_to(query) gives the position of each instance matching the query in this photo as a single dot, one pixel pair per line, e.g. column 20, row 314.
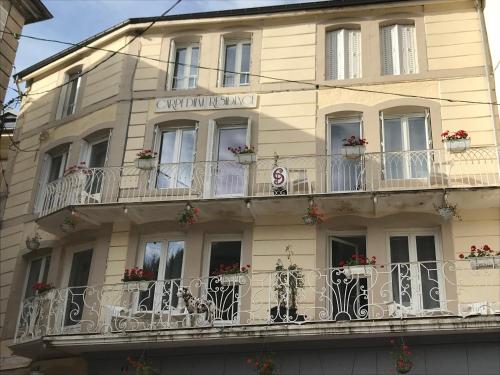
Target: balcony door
column 77, row 286
column 95, row 155
column 229, row 178
column 164, row 259
column 406, row 140
column 176, row 154
column 345, row 174
column 224, row 296
column 349, row 297
column 54, row 164
column 415, row 273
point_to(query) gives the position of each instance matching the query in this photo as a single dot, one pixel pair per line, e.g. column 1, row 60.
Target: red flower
column 461, row 256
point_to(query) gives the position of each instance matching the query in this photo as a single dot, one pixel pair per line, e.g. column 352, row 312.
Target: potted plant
column 142, row 366
column 33, row 243
column 482, row 257
column 136, row 279
column 353, row 148
column 68, row 225
column 232, row 274
column 288, row 282
column 189, row 215
column 313, row 215
column 458, row 141
column 263, row 363
column 358, row 266
column 75, row 168
column 145, row 160
column 402, row 357
column 41, row 288
column 244, row 154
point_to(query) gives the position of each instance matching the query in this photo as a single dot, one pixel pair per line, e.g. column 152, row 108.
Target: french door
column 164, row 259
column 77, row 285
column 345, row 174
column 224, row 296
column 349, row 297
column 229, row 177
column 406, row 140
column 415, row 272
column 177, row 152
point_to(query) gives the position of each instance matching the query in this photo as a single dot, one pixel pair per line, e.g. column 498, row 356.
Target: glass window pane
column 78, row 280
column 193, row 69
column 230, row 65
column 46, row 270
column 180, row 61
column 71, row 93
column 98, row 155
column 419, row 161
column 394, row 161
column 185, row 167
column 175, row 253
column 230, row 137
column 55, row 168
column 426, row 255
column 400, row 272
column 152, row 258
column 224, row 253
column 33, row 277
column 245, row 64
column 229, row 175
column 166, row 173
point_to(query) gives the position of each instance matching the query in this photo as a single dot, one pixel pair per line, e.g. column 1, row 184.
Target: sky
column 75, row 20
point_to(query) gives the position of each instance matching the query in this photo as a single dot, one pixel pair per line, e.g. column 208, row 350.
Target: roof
column 32, row 10
column 204, row 15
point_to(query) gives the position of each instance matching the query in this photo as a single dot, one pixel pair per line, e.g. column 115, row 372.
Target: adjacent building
column 243, row 254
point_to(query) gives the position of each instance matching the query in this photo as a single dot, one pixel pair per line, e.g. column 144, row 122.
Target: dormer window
column 398, row 49
column 236, row 62
column 343, row 54
column 186, row 67
column 69, row 93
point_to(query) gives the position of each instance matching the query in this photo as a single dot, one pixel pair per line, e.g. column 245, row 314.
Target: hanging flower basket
column 68, row 225
column 402, row 357
column 446, row 213
column 313, row 215
column 404, row 367
column 33, row 243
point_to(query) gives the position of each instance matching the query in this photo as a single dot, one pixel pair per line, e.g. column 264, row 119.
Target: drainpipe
column 488, row 75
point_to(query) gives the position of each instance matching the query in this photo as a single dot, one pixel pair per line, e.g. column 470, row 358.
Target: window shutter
column 42, row 181
column 62, row 99
column 84, row 152
column 354, row 52
column 407, row 53
column 171, row 65
column 342, row 54
column 332, row 65
column 387, row 50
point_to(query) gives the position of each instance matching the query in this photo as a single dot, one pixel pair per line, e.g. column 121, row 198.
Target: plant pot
column 33, row 244
column 457, row 145
column 446, row 213
column 137, row 286
column 246, row 158
column 353, row 152
column 309, row 220
column 280, row 314
column 233, row 279
column 360, row 271
column 46, row 293
column 404, row 369
column 145, row 164
column 477, row 263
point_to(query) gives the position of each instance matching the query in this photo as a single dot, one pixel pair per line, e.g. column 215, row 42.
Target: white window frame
column 164, row 240
column 186, row 68
column 65, row 94
column 416, row 303
column 352, row 68
column 176, row 152
column 401, row 54
column 40, row 274
column 406, row 139
column 238, row 60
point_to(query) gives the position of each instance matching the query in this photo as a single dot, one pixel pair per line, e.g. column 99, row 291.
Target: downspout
column 487, row 74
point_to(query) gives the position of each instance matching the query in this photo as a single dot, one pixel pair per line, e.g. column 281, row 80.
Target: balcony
column 374, row 297
column 305, row 176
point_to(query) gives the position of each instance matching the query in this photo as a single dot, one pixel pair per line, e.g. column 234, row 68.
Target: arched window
column 343, row 53
column 398, row 44
column 69, row 93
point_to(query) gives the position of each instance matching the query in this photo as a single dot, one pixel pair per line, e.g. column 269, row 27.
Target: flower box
column 360, row 271
column 145, row 164
column 457, row 145
column 233, row 279
column 137, row 286
column 477, row 263
column 246, row 158
column 353, row 152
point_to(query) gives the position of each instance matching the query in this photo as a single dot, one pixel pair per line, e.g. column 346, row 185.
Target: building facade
column 295, row 83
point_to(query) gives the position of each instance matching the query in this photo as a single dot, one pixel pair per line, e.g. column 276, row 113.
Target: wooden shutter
column 354, row 54
column 331, row 50
column 407, row 49
column 388, row 62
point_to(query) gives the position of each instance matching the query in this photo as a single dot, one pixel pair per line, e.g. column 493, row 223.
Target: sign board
column 279, row 177
column 205, row 103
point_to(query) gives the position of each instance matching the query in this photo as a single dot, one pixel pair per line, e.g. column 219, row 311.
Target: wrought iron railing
column 306, row 175
column 392, row 291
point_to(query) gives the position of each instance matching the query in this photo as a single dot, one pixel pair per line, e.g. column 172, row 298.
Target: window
column 177, row 150
column 186, row 67
column 398, row 49
column 37, row 273
column 164, row 260
column 236, row 63
column 69, row 94
column 94, row 153
column 343, row 48
column 78, row 279
column 406, row 139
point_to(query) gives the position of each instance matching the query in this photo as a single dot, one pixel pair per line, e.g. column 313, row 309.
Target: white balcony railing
column 307, row 175
column 393, row 291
